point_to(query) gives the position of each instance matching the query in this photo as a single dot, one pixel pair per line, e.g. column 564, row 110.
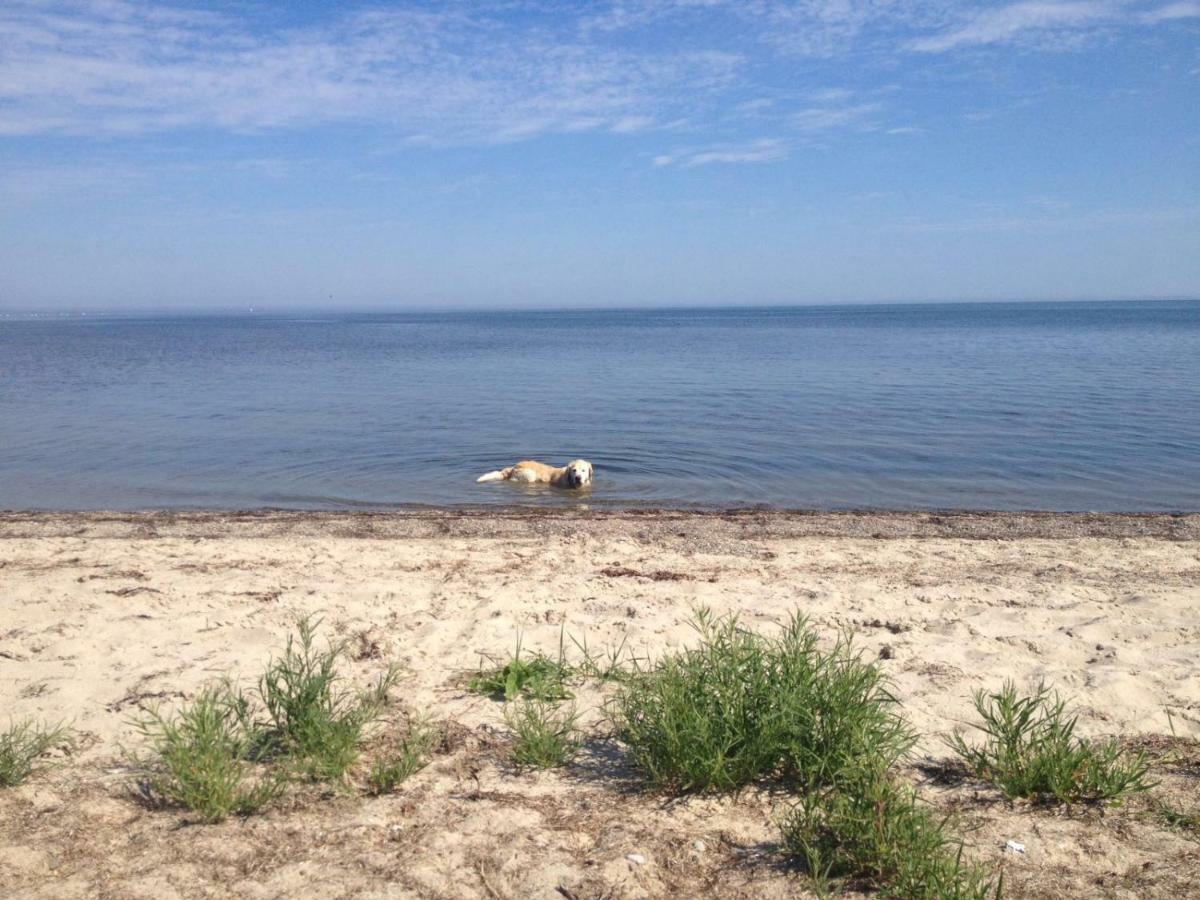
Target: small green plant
column 388, row 772
column 742, row 707
column 312, row 718
column 22, row 743
column 607, row 664
column 199, row 757
column 538, row 676
column 546, row 736
column 1030, row 750
column 874, row 830
column 1180, row 819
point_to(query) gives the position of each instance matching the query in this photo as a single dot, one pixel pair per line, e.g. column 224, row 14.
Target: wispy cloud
column 1051, row 23
column 830, row 116
column 444, row 73
column 1172, row 11
column 997, row 25
column 763, row 150
column 121, row 67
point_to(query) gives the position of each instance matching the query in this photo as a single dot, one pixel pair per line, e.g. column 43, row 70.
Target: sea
column 1002, row 406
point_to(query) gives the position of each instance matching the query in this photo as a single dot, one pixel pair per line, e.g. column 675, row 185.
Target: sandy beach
column 102, row 613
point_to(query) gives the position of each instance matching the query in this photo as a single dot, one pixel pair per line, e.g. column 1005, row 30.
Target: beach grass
column 389, row 771
column 742, row 707
column 22, row 743
column 1030, row 750
column 609, row 663
column 200, row 757
column 876, row 831
column 221, row 754
column 313, row 718
column 536, row 676
column 1180, row 818
column 546, row 734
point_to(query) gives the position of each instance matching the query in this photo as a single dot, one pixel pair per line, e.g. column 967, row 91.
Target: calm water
column 1045, row 406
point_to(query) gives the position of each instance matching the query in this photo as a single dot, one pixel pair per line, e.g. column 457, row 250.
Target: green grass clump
column 875, row 830
column 312, row 718
column 199, row 757
column 1030, row 750
column 388, row 772
column 546, row 736
column 742, row 707
column 22, row 743
column 539, row 676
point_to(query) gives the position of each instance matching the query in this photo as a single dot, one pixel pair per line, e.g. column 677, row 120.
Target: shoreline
column 514, row 521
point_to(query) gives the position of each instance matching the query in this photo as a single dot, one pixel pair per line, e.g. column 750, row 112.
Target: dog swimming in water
column 575, row 474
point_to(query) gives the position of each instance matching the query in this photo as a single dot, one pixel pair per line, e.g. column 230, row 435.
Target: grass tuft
column 610, row 663
column 878, row 831
column 1180, row 819
column 313, row 719
column 741, row 707
column 539, row 676
column 200, row 757
column 546, row 735
column 22, row 743
column 1030, row 750
column 204, row 756
column 388, row 772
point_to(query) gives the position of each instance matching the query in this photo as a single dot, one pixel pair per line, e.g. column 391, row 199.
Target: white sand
column 99, row 614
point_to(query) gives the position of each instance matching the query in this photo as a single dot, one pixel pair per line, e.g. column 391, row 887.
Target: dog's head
column 579, row 473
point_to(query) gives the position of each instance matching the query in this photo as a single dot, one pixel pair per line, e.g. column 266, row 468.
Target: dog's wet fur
column 575, row 474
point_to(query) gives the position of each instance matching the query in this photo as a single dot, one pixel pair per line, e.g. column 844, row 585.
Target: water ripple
column 1044, row 406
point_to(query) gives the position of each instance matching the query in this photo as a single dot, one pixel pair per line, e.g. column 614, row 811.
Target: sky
column 551, row 153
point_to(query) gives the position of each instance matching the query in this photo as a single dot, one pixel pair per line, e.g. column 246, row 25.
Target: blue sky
column 556, row 154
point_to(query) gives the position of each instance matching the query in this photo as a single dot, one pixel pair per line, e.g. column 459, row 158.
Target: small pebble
column 699, row 846
column 637, row 859
column 1014, row 847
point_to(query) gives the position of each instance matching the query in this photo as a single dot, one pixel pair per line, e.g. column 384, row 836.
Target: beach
column 106, row 612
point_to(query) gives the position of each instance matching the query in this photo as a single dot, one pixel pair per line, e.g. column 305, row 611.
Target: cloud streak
column 119, row 67
column 763, row 150
column 496, row 71
column 1052, row 23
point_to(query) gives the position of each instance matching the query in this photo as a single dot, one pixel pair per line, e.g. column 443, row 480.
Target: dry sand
column 100, row 613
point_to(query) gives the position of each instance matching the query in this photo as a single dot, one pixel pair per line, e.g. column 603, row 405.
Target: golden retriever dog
column 574, row 474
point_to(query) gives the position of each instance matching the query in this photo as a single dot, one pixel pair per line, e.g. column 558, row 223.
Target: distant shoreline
column 269, row 312
column 516, row 521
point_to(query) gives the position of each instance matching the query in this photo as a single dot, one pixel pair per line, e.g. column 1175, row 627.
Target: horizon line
column 268, row 311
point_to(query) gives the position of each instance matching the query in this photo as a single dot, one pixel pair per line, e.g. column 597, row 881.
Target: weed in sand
column 313, row 719
column 388, row 772
column 537, row 676
column 875, row 830
column 546, row 735
column 1180, row 819
column 22, row 743
column 607, row 664
column 200, row 757
column 741, row 707
column 1030, row 750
